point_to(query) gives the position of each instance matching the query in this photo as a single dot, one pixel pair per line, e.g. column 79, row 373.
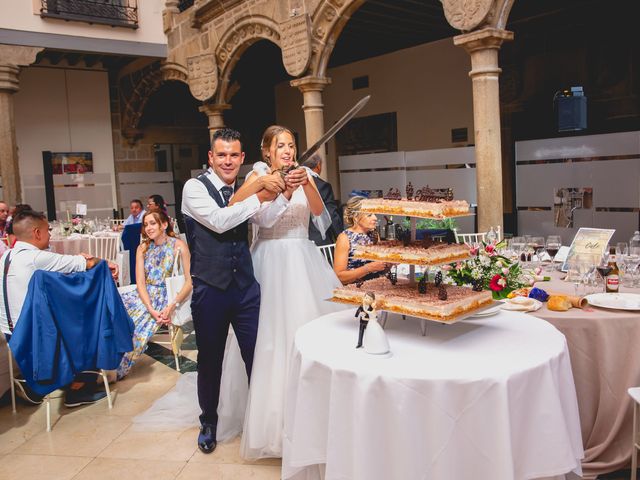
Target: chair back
column 105, row 247
column 479, row 237
column 327, row 252
column 130, row 241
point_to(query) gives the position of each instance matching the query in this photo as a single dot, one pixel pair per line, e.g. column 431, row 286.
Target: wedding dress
column 295, row 281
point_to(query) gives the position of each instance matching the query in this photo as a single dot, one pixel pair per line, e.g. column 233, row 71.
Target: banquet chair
column 472, row 238
column 47, row 398
column 634, row 393
column 105, row 247
column 327, row 252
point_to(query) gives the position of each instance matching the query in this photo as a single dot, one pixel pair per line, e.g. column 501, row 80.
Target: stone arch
column 245, row 32
column 136, row 89
column 328, row 21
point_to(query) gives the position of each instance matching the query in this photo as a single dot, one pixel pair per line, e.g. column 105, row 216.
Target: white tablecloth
column 482, row 399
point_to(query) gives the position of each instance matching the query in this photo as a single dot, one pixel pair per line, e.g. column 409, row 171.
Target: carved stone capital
column 310, row 84
column 215, row 114
column 491, row 38
column 12, row 57
column 466, row 15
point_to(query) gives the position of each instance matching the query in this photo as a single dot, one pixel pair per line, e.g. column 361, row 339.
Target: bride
column 295, row 280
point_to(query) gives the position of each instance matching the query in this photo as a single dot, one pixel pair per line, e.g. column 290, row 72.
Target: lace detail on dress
column 293, row 223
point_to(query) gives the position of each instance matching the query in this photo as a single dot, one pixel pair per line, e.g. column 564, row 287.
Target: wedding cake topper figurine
column 371, row 333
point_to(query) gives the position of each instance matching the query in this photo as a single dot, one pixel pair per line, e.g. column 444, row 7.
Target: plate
column 616, row 301
column 487, row 313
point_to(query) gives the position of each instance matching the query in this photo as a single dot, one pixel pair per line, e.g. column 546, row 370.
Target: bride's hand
column 296, row 178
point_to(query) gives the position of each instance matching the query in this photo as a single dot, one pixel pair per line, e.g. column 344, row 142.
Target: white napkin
column 522, row 304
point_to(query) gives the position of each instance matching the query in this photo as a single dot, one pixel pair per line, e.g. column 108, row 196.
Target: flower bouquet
column 78, row 225
column 488, row 270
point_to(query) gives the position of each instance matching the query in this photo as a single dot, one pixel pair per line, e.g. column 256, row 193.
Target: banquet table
column 605, row 359
column 485, row 398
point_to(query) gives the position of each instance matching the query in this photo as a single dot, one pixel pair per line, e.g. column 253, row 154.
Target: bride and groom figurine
column 371, row 335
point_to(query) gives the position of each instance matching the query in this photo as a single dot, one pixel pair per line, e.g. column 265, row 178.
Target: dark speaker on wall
column 571, row 106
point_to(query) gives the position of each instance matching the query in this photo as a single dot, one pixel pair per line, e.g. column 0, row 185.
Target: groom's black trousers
column 213, row 310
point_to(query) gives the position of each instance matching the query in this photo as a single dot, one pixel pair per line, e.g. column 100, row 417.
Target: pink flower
column 505, row 271
column 459, row 266
column 497, row 283
column 76, row 221
column 446, row 268
column 537, row 271
column 489, row 248
column 473, row 251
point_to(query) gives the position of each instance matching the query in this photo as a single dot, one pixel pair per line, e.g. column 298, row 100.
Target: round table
column 484, row 398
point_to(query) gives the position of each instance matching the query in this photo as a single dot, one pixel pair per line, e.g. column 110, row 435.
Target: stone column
column 482, row 46
column 311, row 88
column 214, row 112
column 11, row 59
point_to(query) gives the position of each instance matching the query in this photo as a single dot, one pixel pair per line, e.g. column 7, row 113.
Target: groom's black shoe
column 207, row 438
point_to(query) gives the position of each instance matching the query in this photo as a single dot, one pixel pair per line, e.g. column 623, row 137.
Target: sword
column 333, row 130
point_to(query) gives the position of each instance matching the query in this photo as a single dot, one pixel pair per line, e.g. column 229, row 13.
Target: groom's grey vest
column 219, row 258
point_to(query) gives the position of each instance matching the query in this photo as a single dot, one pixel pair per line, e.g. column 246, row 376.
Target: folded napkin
column 521, row 304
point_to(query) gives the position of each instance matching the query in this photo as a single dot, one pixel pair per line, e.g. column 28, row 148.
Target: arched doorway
column 252, row 94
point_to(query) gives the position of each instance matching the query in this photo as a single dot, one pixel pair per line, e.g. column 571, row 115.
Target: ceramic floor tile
column 172, row 446
column 203, row 471
column 84, row 435
column 230, row 453
column 16, row 429
column 41, row 467
column 118, row 469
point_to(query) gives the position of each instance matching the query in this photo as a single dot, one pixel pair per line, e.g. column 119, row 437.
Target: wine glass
column 633, row 260
column 552, row 245
column 538, row 247
column 517, row 245
column 603, row 267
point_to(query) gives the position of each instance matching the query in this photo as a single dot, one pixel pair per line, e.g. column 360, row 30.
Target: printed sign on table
column 590, row 242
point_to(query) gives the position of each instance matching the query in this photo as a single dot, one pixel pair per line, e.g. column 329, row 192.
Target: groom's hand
column 272, row 183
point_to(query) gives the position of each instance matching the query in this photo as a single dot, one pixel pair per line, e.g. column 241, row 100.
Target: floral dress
column 353, row 263
column 158, row 264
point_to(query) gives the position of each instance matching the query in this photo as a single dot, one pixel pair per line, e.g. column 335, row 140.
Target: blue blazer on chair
column 70, row 323
column 130, row 241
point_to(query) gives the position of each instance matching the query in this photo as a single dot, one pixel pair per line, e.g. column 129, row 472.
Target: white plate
column 617, row 301
column 487, row 313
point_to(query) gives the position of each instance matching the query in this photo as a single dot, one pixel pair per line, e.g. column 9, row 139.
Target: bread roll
column 558, row 303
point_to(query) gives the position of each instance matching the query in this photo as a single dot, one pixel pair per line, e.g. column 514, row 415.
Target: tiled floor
column 92, row 443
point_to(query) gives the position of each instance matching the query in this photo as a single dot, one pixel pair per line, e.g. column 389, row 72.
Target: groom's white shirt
column 198, row 204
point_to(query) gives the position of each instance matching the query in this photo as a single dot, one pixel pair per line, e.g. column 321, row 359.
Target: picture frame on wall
column 72, row 162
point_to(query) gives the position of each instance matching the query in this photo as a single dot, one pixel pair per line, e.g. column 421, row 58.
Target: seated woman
column 360, row 225
column 148, row 305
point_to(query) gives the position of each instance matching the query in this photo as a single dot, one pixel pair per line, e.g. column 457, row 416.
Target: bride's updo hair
column 352, row 211
column 267, row 139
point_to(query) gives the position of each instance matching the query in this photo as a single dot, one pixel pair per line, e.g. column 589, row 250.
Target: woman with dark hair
column 148, row 305
column 155, row 203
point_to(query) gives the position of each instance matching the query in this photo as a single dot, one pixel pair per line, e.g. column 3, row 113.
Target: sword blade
column 328, row 135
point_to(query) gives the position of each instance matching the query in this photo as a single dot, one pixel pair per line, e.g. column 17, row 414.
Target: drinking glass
column 633, row 260
column 537, row 246
column 604, row 268
column 517, row 245
column 552, row 245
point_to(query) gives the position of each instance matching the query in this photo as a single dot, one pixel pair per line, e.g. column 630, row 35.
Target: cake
column 413, row 208
column 418, row 252
column 404, row 298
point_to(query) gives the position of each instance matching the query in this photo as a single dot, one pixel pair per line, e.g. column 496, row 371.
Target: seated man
column 136, row 211
column 17, row 267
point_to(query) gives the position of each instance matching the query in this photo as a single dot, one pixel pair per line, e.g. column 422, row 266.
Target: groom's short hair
column 226, row 134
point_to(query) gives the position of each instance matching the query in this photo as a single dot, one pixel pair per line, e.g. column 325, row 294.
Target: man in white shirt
column 225, row 290
column 136, row 212
column 18, row 266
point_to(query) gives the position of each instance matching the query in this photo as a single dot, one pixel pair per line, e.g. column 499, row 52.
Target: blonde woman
column 360, row 226
column 295, row 281
column 148, row 305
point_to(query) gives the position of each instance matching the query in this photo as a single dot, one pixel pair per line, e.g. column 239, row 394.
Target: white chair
column 327, row 251
column 634, row 393
column 105, row 247
column 47, row 399
column 472, row 238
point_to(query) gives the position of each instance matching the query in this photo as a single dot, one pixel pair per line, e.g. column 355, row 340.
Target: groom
column 224, row 289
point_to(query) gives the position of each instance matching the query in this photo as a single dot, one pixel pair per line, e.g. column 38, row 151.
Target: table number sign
column 81, row 209
column 588, row 241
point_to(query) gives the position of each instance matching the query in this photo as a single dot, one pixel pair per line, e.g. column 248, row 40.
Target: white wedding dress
column 295, row 281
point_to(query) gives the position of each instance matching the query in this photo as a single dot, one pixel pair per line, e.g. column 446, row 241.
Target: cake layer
column 415, row 208
column 417, row 252
column 405, row 298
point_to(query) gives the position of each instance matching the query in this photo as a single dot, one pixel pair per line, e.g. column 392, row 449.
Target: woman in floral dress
column 148, row 305
column 347, row 268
